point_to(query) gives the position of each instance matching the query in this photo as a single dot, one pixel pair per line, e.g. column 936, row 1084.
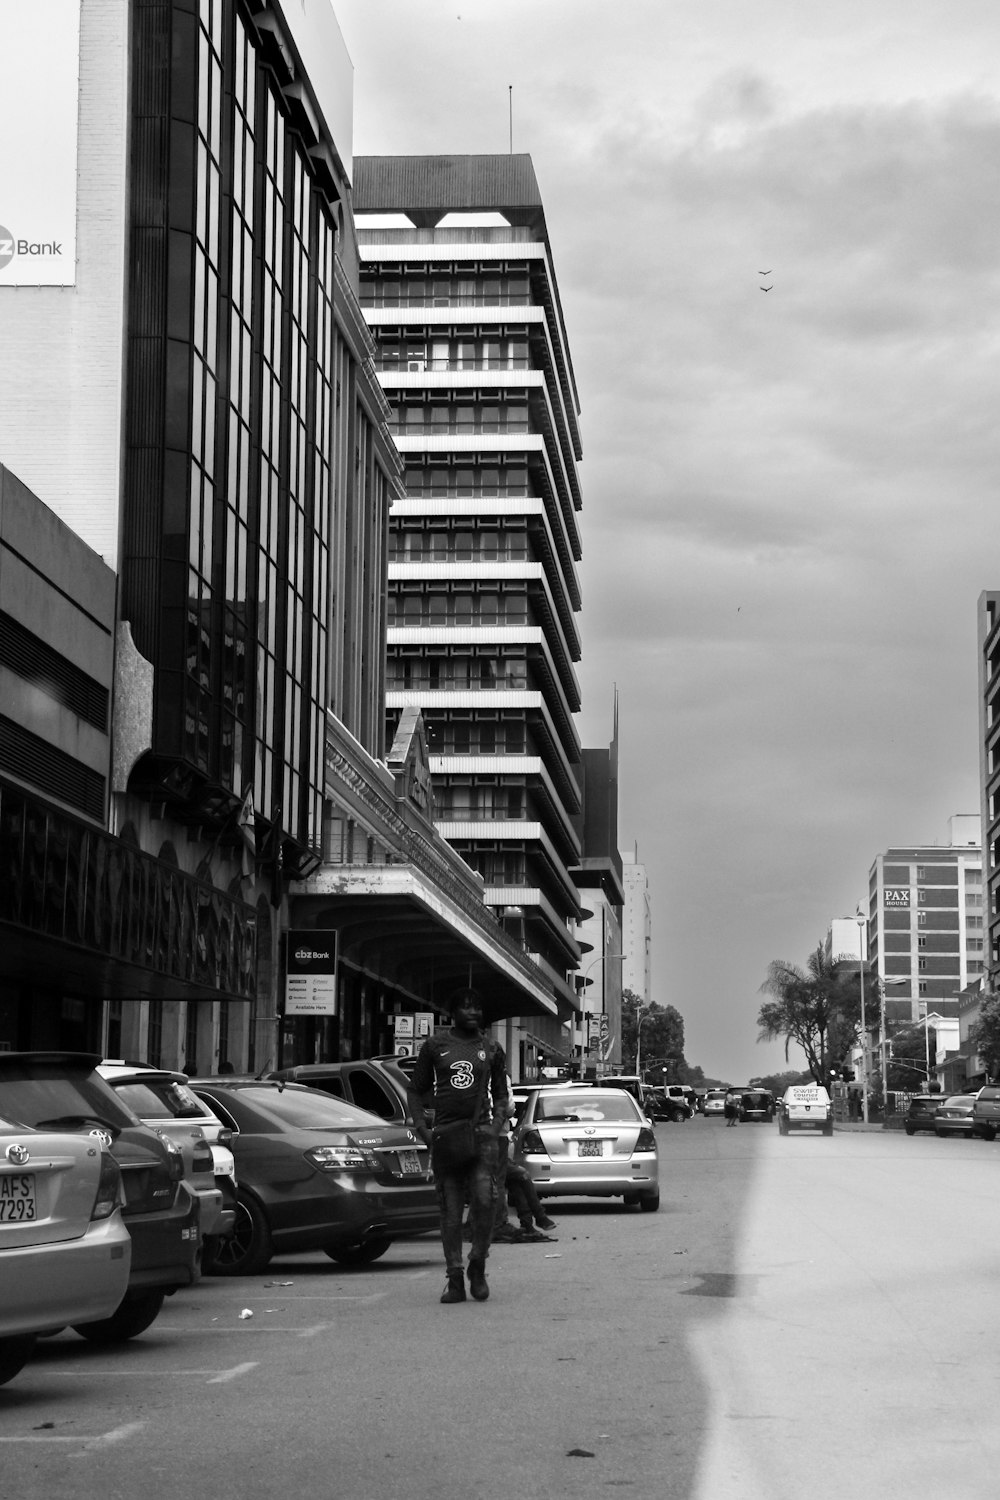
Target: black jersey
column 453, row 1067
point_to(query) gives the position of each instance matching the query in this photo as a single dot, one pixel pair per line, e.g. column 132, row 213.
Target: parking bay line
column 216, row 1377
column 101, row 1440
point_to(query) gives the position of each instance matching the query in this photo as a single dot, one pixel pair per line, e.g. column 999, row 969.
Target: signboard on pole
column 311, row 973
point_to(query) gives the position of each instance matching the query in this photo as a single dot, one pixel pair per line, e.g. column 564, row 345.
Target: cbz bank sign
column 38, row 141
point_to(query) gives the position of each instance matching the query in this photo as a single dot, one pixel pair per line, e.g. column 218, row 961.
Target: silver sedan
column 592, row 1143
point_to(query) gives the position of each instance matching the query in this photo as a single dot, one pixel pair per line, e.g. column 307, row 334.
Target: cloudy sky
column 790, row 496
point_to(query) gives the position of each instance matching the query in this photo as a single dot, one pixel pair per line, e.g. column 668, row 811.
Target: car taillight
column 204, row 1161
column 645, row 1141
column 175, row 1158
column 110, row 1193
column 531, row 1144
column 342, row 1159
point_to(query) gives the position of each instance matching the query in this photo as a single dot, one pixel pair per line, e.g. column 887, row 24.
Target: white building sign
column 898, row 895
column 39, row 98
column 311, row 974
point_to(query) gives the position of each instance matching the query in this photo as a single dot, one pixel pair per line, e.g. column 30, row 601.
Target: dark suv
column 986, row 1112
column 920, row 1115
column 64, row 1091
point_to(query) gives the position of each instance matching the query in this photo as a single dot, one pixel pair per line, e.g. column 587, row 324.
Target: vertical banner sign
column 311, row 973
column 39, row 106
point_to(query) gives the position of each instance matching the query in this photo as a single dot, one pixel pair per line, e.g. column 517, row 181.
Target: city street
column 804, row 1315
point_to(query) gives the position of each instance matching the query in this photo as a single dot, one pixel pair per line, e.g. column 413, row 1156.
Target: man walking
column 467, row 1073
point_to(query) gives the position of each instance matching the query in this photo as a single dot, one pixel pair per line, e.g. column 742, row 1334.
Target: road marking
column 90, row 1444
column 213, row 1377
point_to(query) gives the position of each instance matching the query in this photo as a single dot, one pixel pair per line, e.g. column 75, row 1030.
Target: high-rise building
column 637, row 929
column 196, row 403
column 474, row 359
column 988, row 620
column 926, row 923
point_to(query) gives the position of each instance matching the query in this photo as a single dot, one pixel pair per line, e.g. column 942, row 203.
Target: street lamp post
column 602, row 959
column 862, row 922
column 638, row 1038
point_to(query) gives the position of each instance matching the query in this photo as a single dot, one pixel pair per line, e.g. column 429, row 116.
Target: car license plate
column 409, row 1162
column 590, row 1148
column 17, row 1198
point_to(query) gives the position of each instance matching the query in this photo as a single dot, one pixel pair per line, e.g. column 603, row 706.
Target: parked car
column 986, row 1112
column 164, row 1102
column 715, row 1103
column 589, row 1142
column 806, row 1106
column 920, row 1114
column 953, row 1115
column 377, row 1084
column 756, row 1104
column 64, row 1091
column 316, row 1173
column 65, row 1252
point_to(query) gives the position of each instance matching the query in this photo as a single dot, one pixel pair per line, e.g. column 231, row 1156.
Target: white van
column 805, row 1106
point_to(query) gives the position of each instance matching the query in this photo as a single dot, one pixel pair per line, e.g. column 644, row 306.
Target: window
column 921, row 918
column 921, row 942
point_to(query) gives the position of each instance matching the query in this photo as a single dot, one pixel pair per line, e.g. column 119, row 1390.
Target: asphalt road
column 804, row 1317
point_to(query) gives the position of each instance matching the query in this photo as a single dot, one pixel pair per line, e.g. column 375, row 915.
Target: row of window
column 440, row 610
column 462, row 804
column 378, row 290
column 462, row 478
column 491, row 545
column 454, row 673
column 416, row 354
column 427, row 417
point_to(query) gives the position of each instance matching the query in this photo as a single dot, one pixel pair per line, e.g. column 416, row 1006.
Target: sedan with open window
column 592, row 1143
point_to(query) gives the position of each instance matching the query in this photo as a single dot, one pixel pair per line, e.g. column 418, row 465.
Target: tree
column 818, row 1008
column 984, row 1034
column 908, row 1051
column 662, row 1036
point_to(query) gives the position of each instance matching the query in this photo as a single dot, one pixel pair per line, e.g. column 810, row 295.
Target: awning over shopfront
column 403, row 927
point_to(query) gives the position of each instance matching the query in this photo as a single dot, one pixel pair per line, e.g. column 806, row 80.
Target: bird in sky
column 763, row 273
column 766, row 288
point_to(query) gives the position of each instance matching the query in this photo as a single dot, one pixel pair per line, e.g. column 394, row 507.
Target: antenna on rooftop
column 510, row 114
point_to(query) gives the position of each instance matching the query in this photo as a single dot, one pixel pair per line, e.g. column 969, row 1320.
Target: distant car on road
column 920, row 1114
column 756, row 1104
column 715, row 1103
column 806, row 1106
column 953, row 1115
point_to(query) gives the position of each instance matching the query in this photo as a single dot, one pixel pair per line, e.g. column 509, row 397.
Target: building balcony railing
column 422, row 362
column 415, row 299
column 460, row 429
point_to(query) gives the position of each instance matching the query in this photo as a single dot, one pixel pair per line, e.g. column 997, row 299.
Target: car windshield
column 959, row 1101
column 53, row 1095
column 578, row 1105
column 309, row 1109
column 161, row 1101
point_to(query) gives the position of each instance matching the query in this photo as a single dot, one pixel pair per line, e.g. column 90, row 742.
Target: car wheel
column 989, row 1134
column 14, row 1355
column 910, row 1129
column 650, row 1202
column 630, row 1200
column 358, row 1255
column 939, row 1132
column 249, row 1247
column 133, row 1316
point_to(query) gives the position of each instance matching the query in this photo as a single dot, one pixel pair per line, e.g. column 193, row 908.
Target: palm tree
column 817, row 1008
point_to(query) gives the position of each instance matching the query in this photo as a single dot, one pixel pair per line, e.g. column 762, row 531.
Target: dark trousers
column 523, row 1196
column 477, row 1185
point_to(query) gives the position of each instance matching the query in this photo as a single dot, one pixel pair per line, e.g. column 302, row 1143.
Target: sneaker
column 477, row 1281
column 455, row 1290
column 506, row 1234
column 545, row 1223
